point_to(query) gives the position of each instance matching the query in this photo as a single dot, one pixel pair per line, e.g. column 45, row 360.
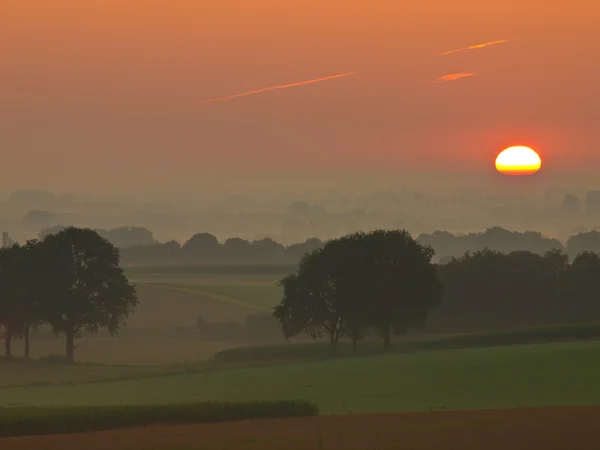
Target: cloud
column 475, row 47
column 281, row 86
column 454, row 77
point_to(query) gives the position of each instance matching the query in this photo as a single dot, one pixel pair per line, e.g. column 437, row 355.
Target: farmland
column 527, row 375
column 158, row 363
column 571, row 428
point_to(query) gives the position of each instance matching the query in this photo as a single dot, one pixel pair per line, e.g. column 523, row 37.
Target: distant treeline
column 483, row 291
column 139, row 248
column 448, row 245
column 384, row 282
column 489, row 290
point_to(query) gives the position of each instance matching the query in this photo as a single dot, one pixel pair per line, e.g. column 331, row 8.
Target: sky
column 106, row 96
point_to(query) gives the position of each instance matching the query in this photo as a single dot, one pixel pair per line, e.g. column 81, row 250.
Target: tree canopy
column 70, row 280
column 382, row 280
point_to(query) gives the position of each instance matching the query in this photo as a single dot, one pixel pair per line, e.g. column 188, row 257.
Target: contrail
column 282, row 86
column 454, row 76
column 475, row 47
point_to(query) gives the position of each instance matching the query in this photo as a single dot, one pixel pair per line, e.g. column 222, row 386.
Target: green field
column 527, row 375
column 175, row 297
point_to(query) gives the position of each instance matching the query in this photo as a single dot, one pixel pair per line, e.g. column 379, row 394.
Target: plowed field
column 567, row 428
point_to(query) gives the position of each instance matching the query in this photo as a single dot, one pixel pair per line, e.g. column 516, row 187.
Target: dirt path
column 570, row 428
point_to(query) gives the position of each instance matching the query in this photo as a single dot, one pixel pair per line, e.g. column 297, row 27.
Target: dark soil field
column 566, row 428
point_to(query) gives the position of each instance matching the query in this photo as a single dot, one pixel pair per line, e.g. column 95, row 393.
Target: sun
column 518, row 160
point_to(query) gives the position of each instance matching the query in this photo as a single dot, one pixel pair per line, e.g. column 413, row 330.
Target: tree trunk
column 354, row 345
column 333, row 339
column 387, row 338
column 26, row 333
column 7, row 342
column 70, row 353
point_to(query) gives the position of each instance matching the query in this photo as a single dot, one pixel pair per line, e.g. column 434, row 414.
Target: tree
column 583, row 242
column 266, row 250
column 311, row 302
column 402, row 282
column 11, row 293
column 202, row 247
column 581, row 287
column 86, row 288
column 236, row 249
column 382, row 279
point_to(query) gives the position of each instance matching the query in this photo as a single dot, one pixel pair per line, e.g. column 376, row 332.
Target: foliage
column 71, row 279
column 38, row 421
column 447, row 245
column 489, row 290
column 382, row 279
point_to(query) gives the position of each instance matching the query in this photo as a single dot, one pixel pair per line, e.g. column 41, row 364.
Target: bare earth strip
column 564, row 428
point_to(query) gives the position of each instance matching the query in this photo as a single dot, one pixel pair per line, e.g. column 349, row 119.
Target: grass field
column 574, row 428
column 528, row 375
column 20, row 373
column 175, row 297
column 169, row 300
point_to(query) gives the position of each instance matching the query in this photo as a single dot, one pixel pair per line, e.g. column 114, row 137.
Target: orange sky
column 115, row 89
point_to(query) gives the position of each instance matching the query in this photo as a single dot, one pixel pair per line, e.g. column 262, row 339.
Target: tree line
column 448, row 245
column 139, row 248
column 491, row 290
column 70, row 280
column 384, row 282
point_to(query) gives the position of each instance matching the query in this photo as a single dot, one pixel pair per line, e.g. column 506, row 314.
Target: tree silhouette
column 86, row 288
column 382, row 279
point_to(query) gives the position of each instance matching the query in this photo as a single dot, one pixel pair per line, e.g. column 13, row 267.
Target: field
column 574, row 428
column 215, row 296
column 430, row 392
column 160, row 331
column 500, row 377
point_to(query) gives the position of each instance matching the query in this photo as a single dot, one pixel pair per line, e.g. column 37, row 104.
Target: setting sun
column 518, row 160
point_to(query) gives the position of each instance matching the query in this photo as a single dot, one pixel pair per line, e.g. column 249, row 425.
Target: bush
column 61, row 420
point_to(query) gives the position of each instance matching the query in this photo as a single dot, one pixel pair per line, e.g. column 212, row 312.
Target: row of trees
column 488, row 290
column 448, row 245
column 120, row 237
column 204, row 248
column 382, row 280
column 138, row 246
column 70, row 280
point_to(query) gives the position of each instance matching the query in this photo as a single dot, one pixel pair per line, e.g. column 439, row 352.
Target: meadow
column 480, row 378
column 423, row 384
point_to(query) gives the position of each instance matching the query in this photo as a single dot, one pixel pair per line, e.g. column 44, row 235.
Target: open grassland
column 528, row 375
column 22, row 373
column 573, row 428
column 131, row 351
column 176, row 296
column 164, row 307
column 36, row 421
